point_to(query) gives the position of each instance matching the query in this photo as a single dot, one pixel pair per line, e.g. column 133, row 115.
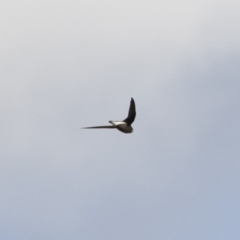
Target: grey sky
column 71, row 64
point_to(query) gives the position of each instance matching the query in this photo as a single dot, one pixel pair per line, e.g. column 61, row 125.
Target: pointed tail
column 96, row 127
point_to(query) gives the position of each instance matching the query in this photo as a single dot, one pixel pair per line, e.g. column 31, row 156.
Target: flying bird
column 125, row 125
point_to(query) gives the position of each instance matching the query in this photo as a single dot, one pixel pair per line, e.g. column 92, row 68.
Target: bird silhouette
column 124, row 125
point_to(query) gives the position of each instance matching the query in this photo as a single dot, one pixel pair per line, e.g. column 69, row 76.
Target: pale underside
column 122, row 126
column 115, row 123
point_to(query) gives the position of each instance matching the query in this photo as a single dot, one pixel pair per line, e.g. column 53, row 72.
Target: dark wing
column 131, row 113
column 99, row 127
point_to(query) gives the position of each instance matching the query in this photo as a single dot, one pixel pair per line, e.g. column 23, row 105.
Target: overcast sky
column 71, row 64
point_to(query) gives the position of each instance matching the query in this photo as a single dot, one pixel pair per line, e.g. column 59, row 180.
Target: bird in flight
column 125, row 125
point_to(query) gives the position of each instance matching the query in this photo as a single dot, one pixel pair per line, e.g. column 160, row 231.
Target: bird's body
column 125, row 125
column 122, row 126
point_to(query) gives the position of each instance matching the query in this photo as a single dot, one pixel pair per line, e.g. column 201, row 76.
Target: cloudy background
column 70, row 64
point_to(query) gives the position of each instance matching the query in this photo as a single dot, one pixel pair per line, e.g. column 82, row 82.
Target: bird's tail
column 99, row 127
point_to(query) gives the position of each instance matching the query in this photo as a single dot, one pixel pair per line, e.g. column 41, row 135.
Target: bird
column 124, row 125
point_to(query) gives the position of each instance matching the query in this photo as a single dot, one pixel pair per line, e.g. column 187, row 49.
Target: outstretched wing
column 99, row 127
column 131, row 113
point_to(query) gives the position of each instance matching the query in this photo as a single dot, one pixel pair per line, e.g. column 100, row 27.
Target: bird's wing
column 131, row 113
column 99, row 127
